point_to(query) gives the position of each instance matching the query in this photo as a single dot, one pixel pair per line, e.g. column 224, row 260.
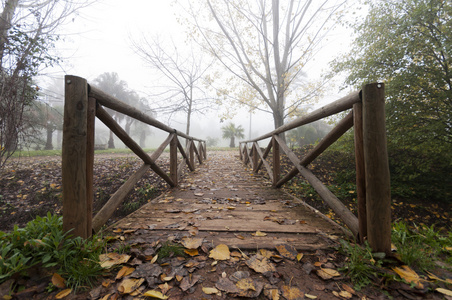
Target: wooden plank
column 74, row 154
column 342, row 127
column 118, row 197
column 91, row 118
column 129, row 142
column 360, row 171
column 173, row 159
column 378, row 189
column 276, row 161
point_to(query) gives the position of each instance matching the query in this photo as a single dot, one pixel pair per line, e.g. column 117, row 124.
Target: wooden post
column 173, row 160
column 360, row 171
column 191, row 152
column 255, row 156
column 276, row 162
column 378, row 189
column 240, row 151
column 74, row 157
column 91, row 119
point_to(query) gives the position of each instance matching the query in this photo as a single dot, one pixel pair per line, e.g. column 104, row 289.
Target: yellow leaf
column 63, row 293
column 154, row 259
column 345, row 294
column 110, row 259
column 192, row 243
column 299, row 256
column 129, row 285
column 210, row 291
column 58, row 281
column 155, row 294
column 246, row 284
column 124, row 272
column 310, row 296
column 409, row 275
column 191, row 252
column 444, row 291
column 326, row 273
column 259, row 233
column 220, row 252
column 292, row 293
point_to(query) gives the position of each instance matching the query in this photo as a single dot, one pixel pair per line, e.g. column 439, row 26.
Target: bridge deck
column 224, row 203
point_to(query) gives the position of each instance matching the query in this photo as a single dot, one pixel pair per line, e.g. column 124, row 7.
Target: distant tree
column 231, row 132
column 183, row 89
column 211, row 141
column 27, row 35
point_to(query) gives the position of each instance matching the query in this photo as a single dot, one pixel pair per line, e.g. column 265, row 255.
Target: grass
column 169, row 249
column 43, row 244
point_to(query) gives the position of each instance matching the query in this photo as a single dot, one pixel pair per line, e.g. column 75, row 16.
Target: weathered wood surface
column 226, row 203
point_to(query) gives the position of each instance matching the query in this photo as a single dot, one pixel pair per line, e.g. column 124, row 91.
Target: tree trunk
column 143, row 139
column 49, row 144
column 232, row 143
column 278, row 119
column 111, row 141
column 5, row 25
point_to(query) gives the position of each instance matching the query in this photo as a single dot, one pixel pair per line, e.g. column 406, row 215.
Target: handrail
column 372, row 169
column 82, row 104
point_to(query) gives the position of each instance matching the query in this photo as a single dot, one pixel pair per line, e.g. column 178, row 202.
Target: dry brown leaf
column 259, row 234
column 260, row 264
column 246, row 284
column 241, row 237
column 266, row 253
column 310, row 296
column 444, row 291
column 124, row 272
column 192, row 243
column 210, row 290
column 348, row 289
column 220, row 252
column 58, row 281
column 343, row 294
column 129, row 285
column 326, row 274
column 63, row 293
column 409, row 275
column 287, row 251
column 154, row 259
column 165, row 287
column 155, row 294
column 226, row 285
column 111, row 259
column 292, row 293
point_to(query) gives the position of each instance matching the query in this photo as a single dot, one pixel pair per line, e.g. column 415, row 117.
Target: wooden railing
column 372, row 169
column 82, row 104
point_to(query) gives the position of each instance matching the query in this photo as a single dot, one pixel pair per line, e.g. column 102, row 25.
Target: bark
column 5, row 25
column 49, row 142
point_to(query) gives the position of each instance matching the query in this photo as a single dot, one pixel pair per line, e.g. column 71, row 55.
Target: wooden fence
column 82, row 104
column 372, row 169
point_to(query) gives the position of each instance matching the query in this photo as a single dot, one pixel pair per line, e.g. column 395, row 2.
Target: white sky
column 100, row 42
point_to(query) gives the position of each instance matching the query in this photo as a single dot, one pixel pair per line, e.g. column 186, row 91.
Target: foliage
column 170, row 249
column 407, row 45
column 231, row 132
column 42, row 242
column 211, row 141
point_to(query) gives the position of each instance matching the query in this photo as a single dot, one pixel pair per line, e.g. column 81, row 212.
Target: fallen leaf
column 241, row 237
column 124, row 272
column 343, row 294
column 226, row 285
column 299, row 256
column 444, row 291
column 310, row 296
column 58, row 281
column 111, row 259
column 348, row 289
column 259, row 234
column 409, row 275
column 326, row 274
column 287, row 251
column 292, row 293
column 189, row 281
column 192, row 243
column 260, row 264
column 165, row 287
column 129, row 285
column 199, row 194
column 154, row 259
column 246, row 284
column 220, row 252
column 155, row 294
column 191, row 252
column 210, row 290
column 63, row 293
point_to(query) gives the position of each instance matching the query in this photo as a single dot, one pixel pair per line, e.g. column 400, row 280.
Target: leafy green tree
column 231, row 132
column 408, row 45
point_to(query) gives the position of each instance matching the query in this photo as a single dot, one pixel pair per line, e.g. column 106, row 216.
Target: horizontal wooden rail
column 372, row 176
column 82, row 104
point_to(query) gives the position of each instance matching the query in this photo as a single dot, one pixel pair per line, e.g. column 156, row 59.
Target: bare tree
column 184, row 71
column 265, row 45
column 28, row 30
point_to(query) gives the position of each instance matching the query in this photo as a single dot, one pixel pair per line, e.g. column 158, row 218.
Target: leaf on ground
column 240, row 237
column 259, row 234
column 260, row 264
column 210, row 290
column 326, row 273
column 310, row 296
column 189, row 281
column 266, row 253
column 63, row 293
column 226, row 285
column 191, row 252
column 111, row 259
column 287, row 251
column 58, row 281
column 192, row 243
column 125, row 271
column 434, row 277
column 246, row 284
column 348, row 289
column 129, row 285
column 343, row 294
column 165, row 287
column 409, row 275
column 220, row 252
column 444, row 291
column 299, row 256
column 199, row 194
column 155, row 294
column 292, row 293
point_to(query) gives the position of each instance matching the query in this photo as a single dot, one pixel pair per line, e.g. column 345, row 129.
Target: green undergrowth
column 42, row 244
column 422, row 248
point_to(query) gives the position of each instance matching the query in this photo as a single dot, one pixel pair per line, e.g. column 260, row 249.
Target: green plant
column 363, row 265
column 43, row 242
column 169, row 249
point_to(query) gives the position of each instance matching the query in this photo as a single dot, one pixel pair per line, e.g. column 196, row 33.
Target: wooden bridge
column 222, row 199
